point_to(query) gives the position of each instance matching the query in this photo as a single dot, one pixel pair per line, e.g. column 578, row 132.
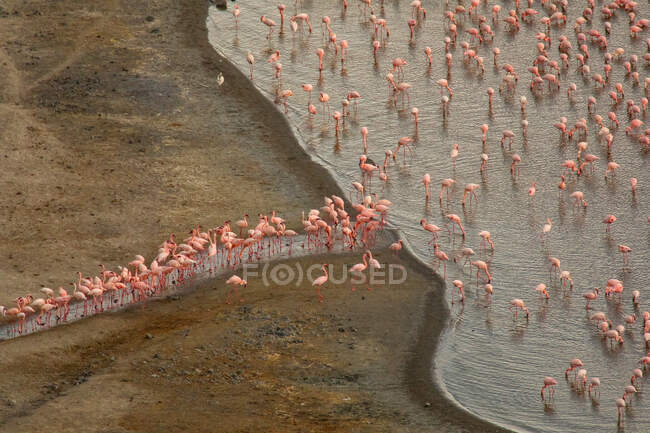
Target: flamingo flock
column 559, row 48
column 217, row 250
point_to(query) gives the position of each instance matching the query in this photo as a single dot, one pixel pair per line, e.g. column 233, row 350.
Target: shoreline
column 101, row 353
column 421, row 364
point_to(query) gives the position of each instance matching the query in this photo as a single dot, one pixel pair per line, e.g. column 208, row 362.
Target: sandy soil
column 114, row 135
column 279, row 361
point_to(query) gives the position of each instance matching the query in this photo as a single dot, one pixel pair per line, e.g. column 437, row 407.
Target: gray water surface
column 489, row 363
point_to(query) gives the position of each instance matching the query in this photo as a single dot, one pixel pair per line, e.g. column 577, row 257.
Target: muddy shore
column 116, row 135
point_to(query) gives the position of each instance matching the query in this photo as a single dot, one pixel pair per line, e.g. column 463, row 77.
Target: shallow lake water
column 489, row 363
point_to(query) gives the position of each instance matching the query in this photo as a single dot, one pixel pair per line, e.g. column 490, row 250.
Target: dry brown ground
column 279, row 361
column 114, row 134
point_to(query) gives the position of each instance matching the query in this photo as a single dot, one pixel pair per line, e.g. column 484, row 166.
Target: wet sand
column 115, row 135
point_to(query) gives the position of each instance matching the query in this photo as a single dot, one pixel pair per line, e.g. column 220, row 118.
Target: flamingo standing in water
column 595, row 384
column 445, row 184
column 590, row 296
column 469, row 189
column 620, row 404
column 517, row 304
column 235, row 13
column 609, row 220
column 546, row 230
column 573, row 364
column 625, row 250
column 455, row 220
column 426, row 180
column 442, row 258
column 251, row 62
column 431, row 228
column 481, row 266
column 395, row 247
column 549, row 383
column 459, row 285
column 269, row 23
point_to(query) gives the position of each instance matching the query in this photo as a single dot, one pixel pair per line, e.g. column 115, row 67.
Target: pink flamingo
column 459, row 285
column 531, row 190
column 360, row 267
column 396, row 247
column 514, row 168
column 234, row 281
column 484, row 131
column 304, row 20
column 517, row 304
column 481, row 266
column 364, row 136
column 442, row 258
column 307, row 88
column 613, row 335
column 427, row 52
column 469, row 189
column 595, row 383
column 629, row 390
column 445, row 184
column 281, row 9
column 251, row 62
column 431, row 228
column 426, row 179
column 269, row 23
column 578, row 197
column 546, row 229
column 414, row 113
column 455, row 219
column 625, row 250
column 609, row 220
column 573, row 364
column 454, row 154
column 320, row 53
column 555, row 266
column 235, row 13
column 444, row 85
column 488, row 292
column 620, row 404
column 318, row 282
column 541, row 289
column 485, row 239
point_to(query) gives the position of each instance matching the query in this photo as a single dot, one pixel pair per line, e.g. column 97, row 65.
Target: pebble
column 148, row 336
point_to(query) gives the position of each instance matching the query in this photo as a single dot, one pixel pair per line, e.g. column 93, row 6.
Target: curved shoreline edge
column 420, row 365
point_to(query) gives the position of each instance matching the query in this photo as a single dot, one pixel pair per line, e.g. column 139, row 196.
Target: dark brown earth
column 115, row 134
